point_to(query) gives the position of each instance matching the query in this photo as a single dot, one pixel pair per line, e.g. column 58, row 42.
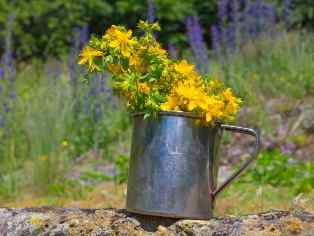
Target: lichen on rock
column 99, row 222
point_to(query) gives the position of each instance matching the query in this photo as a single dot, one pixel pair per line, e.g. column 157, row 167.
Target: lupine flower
column 151, row 11
column 12, row 95
column 1, row 73
column 287, row 13
column 231, row 37
column 216, row 42
column 216, row 37
column 234, row 11
column 8, row 55
column 83, row 36
column 5, row 106
column 222, row 11
column 86, row 105
column 173, row 52
column 8, row 71
column 196, row 41
column 97, row 112
column 240, row 21
column 74, row 51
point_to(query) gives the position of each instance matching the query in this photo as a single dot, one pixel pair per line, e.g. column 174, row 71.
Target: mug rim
column 176, row 113
column 170, row 113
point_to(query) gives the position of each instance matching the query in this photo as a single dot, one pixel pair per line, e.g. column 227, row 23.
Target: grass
column 270, row 67
column 245, row 198
column 238, row 198
column 54, row 123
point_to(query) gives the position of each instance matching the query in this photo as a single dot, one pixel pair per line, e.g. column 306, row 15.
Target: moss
column 292, row 226
column 37, row 220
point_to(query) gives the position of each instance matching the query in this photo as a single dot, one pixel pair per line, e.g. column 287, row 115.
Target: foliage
column 38, row 30
column 278, row 169
column 270, row 67
column 52, row 124
column 122, row 166
column 96, row 176
column 303, row 15
column 68, row 188
column 241, row 198
column 143, row 73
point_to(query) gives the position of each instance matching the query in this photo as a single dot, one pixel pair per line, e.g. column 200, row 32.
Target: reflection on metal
column 174, row 165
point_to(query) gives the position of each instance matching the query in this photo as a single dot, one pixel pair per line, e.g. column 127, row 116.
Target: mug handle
column 236, row 129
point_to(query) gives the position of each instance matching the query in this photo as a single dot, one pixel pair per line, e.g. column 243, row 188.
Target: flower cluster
column 143, row 73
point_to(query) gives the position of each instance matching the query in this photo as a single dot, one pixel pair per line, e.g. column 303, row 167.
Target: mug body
column 173, row 166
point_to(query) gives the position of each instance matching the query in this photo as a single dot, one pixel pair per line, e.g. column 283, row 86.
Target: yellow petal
column 208, row 117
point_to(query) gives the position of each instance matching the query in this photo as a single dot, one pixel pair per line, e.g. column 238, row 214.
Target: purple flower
column 243, row 3
column 8, row 72
column 223, row 11
column 151, row 8
column 216, row 39
column 97, row 112
column 234, row 11
column 86, row 107
column 6, row 107
column 196, row 41
column 287, row 13
column 1, row 73
column 173, row 52
column 240, row 21
column 8, row 55
column 81, row 36
column 288, row 148
column 231, row 37
column 13, row 95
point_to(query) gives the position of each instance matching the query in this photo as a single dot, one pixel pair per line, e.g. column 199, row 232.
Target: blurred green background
column 66, row 142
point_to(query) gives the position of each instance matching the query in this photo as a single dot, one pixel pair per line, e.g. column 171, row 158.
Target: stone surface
column 101, row 222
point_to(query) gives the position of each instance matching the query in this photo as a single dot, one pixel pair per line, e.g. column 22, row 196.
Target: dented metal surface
column 174, row 165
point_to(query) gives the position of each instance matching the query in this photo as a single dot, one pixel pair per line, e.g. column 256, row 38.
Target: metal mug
column 174, row 165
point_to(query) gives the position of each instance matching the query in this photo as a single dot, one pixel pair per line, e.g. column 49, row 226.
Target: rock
column 100, row 222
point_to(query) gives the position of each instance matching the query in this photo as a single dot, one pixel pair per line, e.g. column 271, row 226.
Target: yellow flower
column 184, row 68
column 171, row 104
column 132, row 60
column 115, row 69
column 254, row 77
column 157, row 50
column 43, row 158
column 232, row 103
column 87, row 57
column 120, row 39
column 208, row 117
column 65, row 143
column 144, row 88
column 215, row 84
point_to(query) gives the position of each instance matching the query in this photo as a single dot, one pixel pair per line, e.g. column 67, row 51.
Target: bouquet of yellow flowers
column 142, row 72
